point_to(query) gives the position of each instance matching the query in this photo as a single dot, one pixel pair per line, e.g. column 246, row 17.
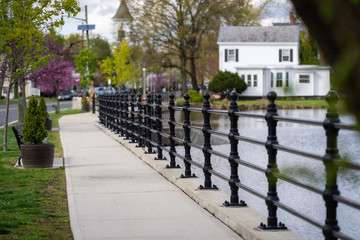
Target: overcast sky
column 100, row 13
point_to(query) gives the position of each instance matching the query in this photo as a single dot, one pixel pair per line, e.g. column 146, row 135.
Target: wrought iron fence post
column 331, row 154
column 112, row 113
column 140, row 128
column 234, row 154
column 159, row 127
column 126, row 116
column 100, row 110
column 117, row 112
column 122, row 131
column 107, row 111
column 272, row 221
column 93, row 103
column 207, row 144
column 132, row 115
column 187, row 139
column 172, row 132
column 148, row 124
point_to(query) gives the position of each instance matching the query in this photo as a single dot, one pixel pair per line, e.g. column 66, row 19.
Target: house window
column 231, row 55
column 272, row 80
column 249, row 80
column 304, row 78
column 279, row 79
column 242, row 77
column 285, row 55
column 255, row 80
column 287, row 79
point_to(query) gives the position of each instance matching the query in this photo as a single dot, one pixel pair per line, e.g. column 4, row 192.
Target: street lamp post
column 144, row 82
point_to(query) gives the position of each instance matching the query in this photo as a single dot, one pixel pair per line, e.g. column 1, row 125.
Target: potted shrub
column 34, row 152
column 85, row 104
column 45, row 114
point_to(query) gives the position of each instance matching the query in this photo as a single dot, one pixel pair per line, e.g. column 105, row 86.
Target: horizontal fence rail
column 140, row 118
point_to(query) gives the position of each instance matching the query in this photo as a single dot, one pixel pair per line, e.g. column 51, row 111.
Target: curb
column 242, row 220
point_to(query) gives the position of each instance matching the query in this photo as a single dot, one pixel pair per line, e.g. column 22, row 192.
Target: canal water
column 303, row 137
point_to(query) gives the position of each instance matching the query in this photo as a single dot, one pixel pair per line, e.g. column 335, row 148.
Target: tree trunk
column 194, row 83
column 183, row 76
column 2, row 80
column 16, row 90
column 22, row 103
column 57, row 101
column 7, row 117
column 2, row 75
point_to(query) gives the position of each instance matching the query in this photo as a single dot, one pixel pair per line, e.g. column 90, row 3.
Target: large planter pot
column 85, row 108
column 48, row 124
column 37, row 155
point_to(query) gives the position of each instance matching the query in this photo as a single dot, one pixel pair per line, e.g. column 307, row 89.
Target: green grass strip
column 33, row 202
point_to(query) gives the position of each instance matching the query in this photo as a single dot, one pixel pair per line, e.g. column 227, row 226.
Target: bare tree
column 179, row 27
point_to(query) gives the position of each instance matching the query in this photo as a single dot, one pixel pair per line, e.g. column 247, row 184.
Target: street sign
column 86, row 27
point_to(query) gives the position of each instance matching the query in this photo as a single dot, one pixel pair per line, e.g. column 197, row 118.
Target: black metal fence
column 138, row 121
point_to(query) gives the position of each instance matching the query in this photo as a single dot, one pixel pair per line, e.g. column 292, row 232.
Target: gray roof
column 259, row 34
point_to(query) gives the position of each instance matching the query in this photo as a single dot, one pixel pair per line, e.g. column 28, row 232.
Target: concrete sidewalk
column 112, row 194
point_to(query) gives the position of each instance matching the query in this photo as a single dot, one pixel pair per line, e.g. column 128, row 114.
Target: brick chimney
column 292, row 18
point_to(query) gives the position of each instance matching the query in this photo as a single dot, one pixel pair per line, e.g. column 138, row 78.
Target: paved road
column 13, row 113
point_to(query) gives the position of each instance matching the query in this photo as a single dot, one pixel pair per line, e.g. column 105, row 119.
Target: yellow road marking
column 3, row 110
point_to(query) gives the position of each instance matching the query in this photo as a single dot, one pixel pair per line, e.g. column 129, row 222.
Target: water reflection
column 304, row 137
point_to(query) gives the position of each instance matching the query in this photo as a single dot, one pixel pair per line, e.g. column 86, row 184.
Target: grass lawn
column 288, row 103
column 284, row 104
column 3, row 102
column 262, row 103
column 33, row 202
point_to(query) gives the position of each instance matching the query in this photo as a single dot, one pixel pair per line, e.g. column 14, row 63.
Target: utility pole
column 87, row 30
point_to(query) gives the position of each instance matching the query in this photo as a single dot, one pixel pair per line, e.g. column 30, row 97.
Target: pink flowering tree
column 156, row 81
column 55, row 76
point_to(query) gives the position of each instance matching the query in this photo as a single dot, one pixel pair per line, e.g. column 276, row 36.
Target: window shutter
column 291, row 55
column 280, row 55
column 237, row 55
column 226, row 55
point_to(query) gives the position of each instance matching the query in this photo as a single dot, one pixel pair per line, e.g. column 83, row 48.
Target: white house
column 30, row 89
column 268, row 60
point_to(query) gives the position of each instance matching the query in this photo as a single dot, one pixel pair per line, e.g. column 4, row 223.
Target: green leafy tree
column 108, row 67
column 22, row 24
column 308, row 50
column 225, row 82
column 121, row 64
column 100, row 47
column 34, row 127
column 75, row 42
column 43, row 109
column 86, row 66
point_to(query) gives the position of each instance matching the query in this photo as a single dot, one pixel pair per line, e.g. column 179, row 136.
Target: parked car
column 102, row 90
column 80, row 93
column 99, row 90
column 67, row 95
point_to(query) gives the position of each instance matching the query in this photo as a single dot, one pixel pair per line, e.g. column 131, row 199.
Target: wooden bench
column 17, row 129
